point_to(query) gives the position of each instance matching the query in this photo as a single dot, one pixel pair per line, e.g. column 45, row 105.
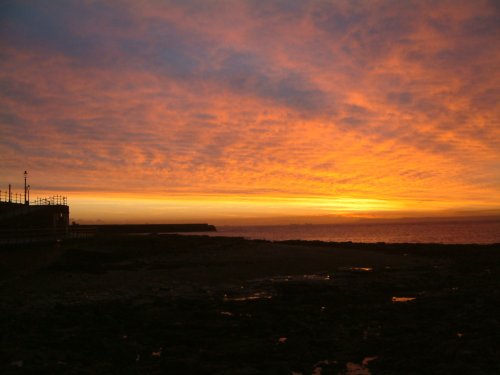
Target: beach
column 180, row 304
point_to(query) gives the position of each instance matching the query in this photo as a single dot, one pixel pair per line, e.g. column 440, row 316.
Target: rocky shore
column 172, row 304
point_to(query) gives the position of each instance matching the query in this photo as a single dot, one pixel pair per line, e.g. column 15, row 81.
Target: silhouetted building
column 49, row 216
column 46, row 214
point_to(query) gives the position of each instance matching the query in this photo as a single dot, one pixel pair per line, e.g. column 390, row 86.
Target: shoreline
column 439, row 232
column 351, row 244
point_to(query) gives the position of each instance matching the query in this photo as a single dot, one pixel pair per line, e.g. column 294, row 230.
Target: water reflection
column 307, row 277
column 359, row 369
column 248, row 297
column 432, row 232
column 157, row 354
column 356, row 269
column 403, row 299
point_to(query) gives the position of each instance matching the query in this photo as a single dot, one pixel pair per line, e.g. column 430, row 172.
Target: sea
column 486, row 232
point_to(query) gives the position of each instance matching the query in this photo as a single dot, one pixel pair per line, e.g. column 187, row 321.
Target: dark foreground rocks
column 199, row 305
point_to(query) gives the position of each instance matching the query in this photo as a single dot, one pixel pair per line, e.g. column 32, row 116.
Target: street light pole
column 25, row 187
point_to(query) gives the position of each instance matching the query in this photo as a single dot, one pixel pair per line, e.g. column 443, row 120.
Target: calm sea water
column 446, row 233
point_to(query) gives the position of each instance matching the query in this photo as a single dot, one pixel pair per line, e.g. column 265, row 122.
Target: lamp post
column 25, row 187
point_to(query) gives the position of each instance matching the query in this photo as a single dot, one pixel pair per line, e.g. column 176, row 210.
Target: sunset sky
column 252, row 111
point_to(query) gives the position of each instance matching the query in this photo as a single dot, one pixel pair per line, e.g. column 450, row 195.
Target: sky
column 252, row 111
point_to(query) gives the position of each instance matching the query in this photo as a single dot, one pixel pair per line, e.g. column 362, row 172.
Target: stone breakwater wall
column 149, row 228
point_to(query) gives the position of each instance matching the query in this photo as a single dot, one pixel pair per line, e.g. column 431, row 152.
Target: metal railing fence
column 51, row 201
column 19, row 198
column 14, row 197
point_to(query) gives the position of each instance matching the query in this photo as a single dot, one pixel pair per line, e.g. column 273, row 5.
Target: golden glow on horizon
column 225, row 210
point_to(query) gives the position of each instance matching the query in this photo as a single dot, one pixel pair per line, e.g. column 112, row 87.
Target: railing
column 19, row 198
column 56, row 200
column 14, row 197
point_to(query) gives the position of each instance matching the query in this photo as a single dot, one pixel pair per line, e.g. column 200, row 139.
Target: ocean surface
column 445, row 233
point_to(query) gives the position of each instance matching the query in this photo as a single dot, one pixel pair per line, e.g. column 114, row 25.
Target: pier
column 46, row 219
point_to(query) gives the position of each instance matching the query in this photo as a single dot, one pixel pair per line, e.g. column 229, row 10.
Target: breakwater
column 148, row 228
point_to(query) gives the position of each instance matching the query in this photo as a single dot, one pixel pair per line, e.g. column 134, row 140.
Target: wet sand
column 170, row 304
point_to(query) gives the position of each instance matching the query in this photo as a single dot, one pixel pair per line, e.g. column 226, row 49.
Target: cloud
column 297, row 98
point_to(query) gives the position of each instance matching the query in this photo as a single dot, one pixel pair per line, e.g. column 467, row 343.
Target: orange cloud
column 309, row 102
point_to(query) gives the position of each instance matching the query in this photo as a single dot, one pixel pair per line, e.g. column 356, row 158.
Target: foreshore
column 156, row 304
